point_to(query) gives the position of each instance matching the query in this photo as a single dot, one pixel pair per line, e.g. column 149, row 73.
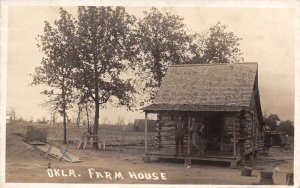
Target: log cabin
column 223, row 97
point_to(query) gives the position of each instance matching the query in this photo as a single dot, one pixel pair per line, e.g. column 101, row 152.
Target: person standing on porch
column 179, row 135
column 197, row 136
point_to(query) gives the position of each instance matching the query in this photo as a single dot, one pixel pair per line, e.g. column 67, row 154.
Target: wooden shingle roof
column 209, row 87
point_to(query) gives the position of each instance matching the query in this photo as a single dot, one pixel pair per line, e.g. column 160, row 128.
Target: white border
column 3, row 76
column 138, row 3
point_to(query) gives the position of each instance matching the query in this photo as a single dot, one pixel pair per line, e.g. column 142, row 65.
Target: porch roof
column 191, row 107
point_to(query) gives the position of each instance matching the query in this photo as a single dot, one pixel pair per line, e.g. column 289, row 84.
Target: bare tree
column 12, row 115
column 53, row 117
column 105, row 120
column 121, row 122
column 80, row 108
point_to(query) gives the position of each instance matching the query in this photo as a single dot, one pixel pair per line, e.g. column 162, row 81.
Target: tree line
column 106, row 55
column 276, row 124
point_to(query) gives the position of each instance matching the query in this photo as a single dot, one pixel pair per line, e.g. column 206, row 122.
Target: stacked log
column 260, row 144
column 158, row 133
column 166, row 133
column 229, row 129
column 248, row 146
column 229, row 122
column 283, row 138
column 248, row 133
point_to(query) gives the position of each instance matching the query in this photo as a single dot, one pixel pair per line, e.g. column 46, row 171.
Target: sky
column 268, row 39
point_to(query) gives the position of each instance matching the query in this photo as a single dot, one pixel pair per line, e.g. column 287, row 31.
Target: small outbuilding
column 274, row 138
column 223, row 97
column 139, row 125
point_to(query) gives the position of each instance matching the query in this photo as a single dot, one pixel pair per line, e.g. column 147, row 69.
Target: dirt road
column 124, row 165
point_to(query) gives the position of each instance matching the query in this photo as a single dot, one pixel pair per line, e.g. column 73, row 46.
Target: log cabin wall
column 165, row 132
column 231, row 120
column 247, row 132
column 251, row 129
column 258, row 131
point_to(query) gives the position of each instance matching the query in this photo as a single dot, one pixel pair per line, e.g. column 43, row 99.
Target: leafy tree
column 217, row 45
column 286, row 127
column 163, row 41
column 56, row 67
column 106, row 43
column 272, row 120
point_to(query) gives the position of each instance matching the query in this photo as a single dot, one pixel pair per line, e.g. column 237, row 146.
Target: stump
column 246, row 171
column 187, row 161
column 233, row 164
column 251, row 156
column 290, row 178
column 146, row 159
column 266, row 178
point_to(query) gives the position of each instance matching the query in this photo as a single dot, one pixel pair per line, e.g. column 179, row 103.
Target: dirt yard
column 121, row 165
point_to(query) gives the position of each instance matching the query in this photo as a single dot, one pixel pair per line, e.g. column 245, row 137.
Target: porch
column 218, row 128
column 188, row 159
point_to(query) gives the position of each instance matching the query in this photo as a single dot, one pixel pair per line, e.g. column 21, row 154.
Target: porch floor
column 231, row 159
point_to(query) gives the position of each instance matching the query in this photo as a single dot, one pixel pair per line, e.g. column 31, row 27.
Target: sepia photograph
column 164, row 94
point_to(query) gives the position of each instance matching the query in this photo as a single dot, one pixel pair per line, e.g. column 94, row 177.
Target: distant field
column 112, row 135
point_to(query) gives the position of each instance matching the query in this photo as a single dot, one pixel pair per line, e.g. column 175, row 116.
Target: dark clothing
column 179, row 136
column 179, row 129
column 179, row 141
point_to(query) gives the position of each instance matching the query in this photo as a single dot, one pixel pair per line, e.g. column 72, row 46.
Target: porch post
column 189, row 134
column 146, row 131
column 234, row 139
column 222, row 135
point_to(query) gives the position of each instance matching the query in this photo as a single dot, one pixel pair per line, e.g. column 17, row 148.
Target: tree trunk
column 78, row 117
column 53, row 119
column 96, row 100
column 78, row 120
column 87, row 118
column 80, row 109
column 96, row 122
column 64, row 106
column 65, row 127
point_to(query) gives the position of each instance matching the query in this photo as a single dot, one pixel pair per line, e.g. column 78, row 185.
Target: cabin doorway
column 213, row 132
